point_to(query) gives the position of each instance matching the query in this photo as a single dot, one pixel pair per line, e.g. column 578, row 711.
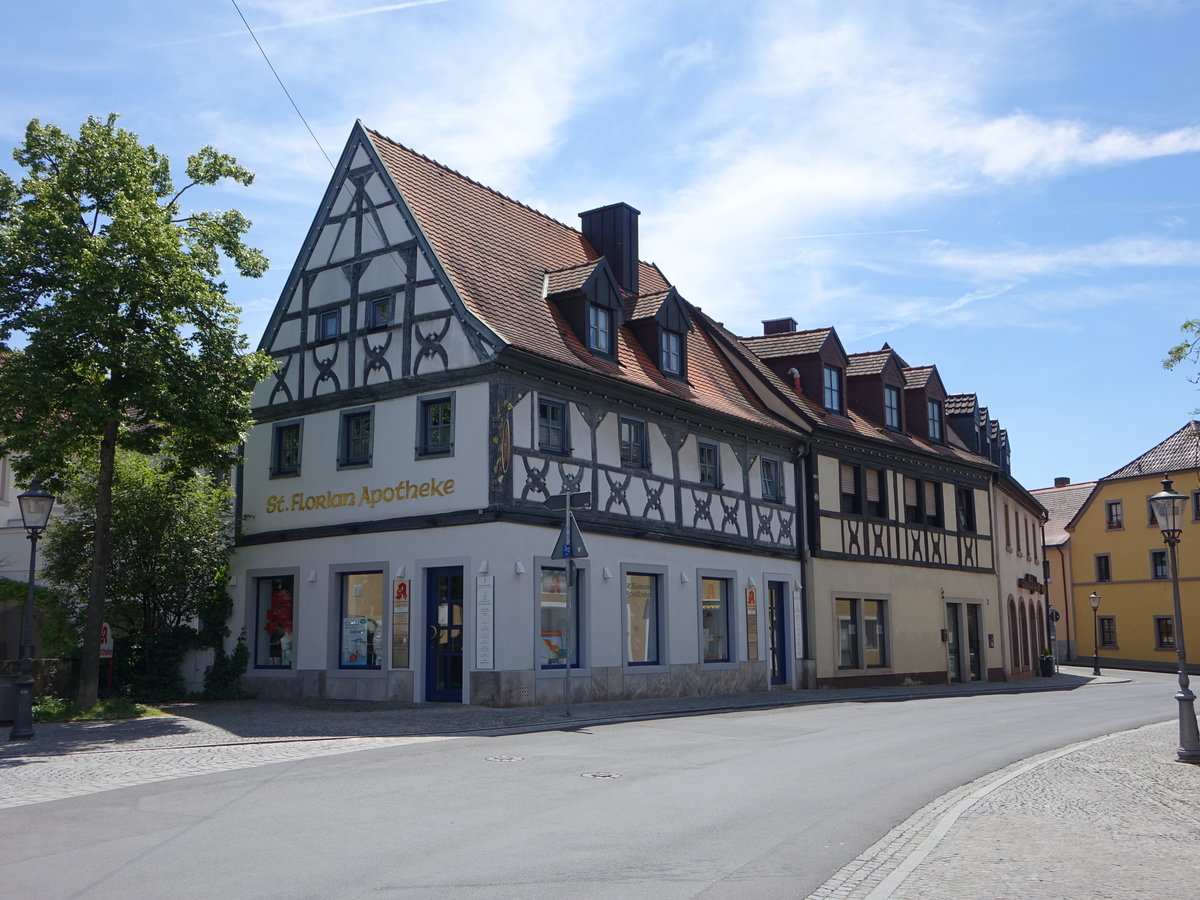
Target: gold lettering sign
column 368, row 496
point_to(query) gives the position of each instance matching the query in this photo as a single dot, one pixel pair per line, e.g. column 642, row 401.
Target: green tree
column 170, row 545
column 122, row 334
column 1187, row 349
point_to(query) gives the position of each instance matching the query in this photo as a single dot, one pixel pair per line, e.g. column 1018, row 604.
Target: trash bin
column 1047, row 666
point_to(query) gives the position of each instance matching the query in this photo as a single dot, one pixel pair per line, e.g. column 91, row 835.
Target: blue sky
column 1007, row 190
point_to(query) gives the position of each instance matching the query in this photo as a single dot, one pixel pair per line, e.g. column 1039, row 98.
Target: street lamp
column 1169, row 508
column 35, row 513
column 1095, row 599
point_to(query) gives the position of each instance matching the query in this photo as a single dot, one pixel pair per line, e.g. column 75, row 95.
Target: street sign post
column 570, row 547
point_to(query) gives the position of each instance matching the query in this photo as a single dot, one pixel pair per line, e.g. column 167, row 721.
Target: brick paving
column 1112, row 817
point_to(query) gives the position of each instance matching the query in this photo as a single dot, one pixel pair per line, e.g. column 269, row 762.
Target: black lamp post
column 35, row 513
column 1095, row 600
column 1169, row 508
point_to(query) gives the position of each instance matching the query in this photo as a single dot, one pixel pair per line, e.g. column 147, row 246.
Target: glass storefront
column 641, row 619
column 714, row 618
column 552, row 620
column 361, row 638
column 274, row 618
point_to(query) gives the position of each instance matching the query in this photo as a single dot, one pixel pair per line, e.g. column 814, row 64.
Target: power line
column 281, row 84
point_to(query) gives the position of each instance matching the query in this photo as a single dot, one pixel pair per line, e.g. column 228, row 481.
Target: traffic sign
column 578, row 500
column 570, row 543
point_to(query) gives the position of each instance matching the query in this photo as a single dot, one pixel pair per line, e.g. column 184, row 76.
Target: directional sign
column 580, row 500
column 570, row 543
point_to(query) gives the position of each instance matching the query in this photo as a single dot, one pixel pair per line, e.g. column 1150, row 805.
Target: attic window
column 328, row 325
column 891, row 407
column 833, row 389
column 599, row 328
column 935, row 421
column 671, row 357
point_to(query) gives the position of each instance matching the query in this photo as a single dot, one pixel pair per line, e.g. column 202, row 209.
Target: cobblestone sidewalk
column 1114, row 817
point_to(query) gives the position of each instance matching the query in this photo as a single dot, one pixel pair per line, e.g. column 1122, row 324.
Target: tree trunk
column 89, row 668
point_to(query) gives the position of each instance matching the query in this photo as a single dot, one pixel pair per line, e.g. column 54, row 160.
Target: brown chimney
column 785, row 325
column 1062, row 481
column 613, row 233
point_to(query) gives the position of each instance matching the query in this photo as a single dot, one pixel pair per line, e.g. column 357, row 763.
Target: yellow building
column 1118, row 553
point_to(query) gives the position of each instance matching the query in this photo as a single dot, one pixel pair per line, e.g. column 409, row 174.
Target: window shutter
column 872, row 476
column 910, row 491
column 931, row 489
column 847, row 478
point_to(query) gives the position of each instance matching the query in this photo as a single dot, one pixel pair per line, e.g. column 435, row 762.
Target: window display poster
column 354, row 641
column 485, row 621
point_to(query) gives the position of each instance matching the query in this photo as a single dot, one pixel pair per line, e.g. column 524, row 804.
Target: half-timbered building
column 449, row 360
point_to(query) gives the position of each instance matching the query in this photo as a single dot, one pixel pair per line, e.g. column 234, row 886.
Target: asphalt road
column 757, row 803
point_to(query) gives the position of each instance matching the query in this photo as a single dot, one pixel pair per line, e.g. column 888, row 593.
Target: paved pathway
column 1111, row 817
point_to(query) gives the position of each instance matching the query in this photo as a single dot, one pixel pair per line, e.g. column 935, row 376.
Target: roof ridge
column 470, row 180
column 783, row 334
column 586, row 263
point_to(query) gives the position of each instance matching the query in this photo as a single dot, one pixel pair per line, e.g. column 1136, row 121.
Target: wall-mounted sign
column 367, row 496
column 401, row 590
column 485, row 621
column 751, row 623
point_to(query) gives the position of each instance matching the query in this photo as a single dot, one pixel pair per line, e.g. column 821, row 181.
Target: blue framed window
column 285, row 450
column 436, row 426
column 671, row 355
column 891, row 407
column 379, row 313
column 552, row 426
column 633, row 443
column 772, row 486
column 600, row 328
column 833, row 389
column 329, row 325
column 642, row 619
column 355, row 440
column 710, row 464
column 360, row 639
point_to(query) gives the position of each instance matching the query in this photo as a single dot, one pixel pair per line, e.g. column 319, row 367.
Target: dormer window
column 671, row 346
column 599, row 328
column 891, row 407
column 833, row 389
column 935, row 421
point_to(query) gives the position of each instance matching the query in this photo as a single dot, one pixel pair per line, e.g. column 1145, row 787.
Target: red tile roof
column 868, row 363
column 1062, row 503
column 498, row 254
column 792, row 343
column 1178, row 452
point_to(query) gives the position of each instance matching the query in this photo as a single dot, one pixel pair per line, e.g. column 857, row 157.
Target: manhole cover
column 504, row 758
column 600, row 775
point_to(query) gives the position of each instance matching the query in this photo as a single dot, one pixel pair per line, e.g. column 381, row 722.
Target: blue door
column 444, row 634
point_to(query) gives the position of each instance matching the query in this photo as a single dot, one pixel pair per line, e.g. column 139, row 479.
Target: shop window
column 964, row 502
column 552, row 426
column 850, row 489
column 710, row 464
column 633, row 443
column 772, row 484
column 361, row 636
column 876, row 492
column 671, row 352
column 354, row 443
column 642, row 619
column 833, row 389
column 329, row 325
column 1108, row 631
column 1164, row 633
column 875, row 633
column 715, row 619
column 891, row 408
column 552, row 619
column 1103, row 567
column 274, row 622
column 285, row 450
column 1158, row 564
column 379, row 313
column 935, row 421
column 861, row 633
column 599, row 328
column 1114, row 517
column 436, row 426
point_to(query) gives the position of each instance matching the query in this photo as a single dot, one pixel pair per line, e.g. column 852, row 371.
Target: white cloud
column 1025, row 262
